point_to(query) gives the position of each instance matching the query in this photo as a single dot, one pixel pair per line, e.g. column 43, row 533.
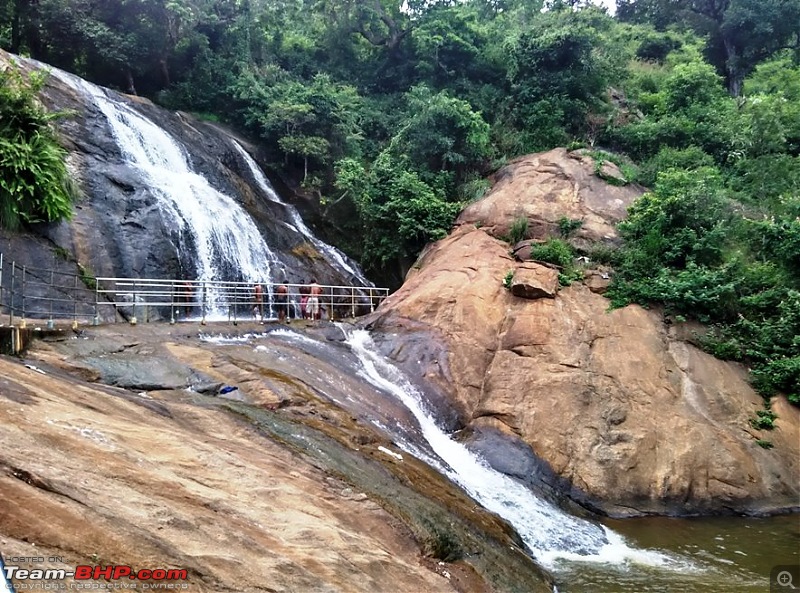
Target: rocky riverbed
column 120, row 446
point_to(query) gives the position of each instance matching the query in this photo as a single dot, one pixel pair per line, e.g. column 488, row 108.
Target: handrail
column 32, row 293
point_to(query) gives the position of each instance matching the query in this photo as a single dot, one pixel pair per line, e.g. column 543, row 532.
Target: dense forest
column 392, row 113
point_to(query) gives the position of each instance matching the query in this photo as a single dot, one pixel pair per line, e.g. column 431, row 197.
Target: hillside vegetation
column 391, row 114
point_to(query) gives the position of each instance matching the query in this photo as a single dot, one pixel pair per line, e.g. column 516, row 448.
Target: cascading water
column 226, row 242
column 335, row 257
column 550, row 534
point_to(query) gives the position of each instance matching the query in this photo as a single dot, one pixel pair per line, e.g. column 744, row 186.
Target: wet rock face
column 423, row 358
column 284, row 480
column 628, row 417
column 118, row 228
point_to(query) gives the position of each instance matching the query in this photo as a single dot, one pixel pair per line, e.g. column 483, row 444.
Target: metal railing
column 29, row 294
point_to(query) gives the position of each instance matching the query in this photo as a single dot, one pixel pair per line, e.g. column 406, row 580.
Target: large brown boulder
column 627, row 416
column 544, row 188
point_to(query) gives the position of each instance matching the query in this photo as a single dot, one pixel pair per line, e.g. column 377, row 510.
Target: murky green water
column 721, row 554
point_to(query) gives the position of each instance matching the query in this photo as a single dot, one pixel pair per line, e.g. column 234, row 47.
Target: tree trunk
column 404, row 264
column 164, row 72
column 16, row 19
column 735, row 83
column 129, row 79
column 733, row 74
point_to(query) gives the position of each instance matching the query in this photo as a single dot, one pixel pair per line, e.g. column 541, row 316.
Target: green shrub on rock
column 34, row 184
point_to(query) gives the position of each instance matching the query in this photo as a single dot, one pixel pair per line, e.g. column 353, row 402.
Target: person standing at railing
column 304, row 290
column 313, row 306
column 282, row 301
column 184, row 296
column 258, row 300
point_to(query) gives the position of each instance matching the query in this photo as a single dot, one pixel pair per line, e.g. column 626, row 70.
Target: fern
column 34, row 183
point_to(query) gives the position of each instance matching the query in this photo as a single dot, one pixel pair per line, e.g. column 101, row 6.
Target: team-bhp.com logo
column 85, row 572
column 155, row 578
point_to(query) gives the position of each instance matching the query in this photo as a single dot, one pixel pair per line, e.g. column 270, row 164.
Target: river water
column 727, row 554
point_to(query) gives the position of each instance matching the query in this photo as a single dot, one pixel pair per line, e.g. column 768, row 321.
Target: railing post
column 371, row 302
column 11, row 297
column 23, row 323
column 353, row 302
column 96, row 319
column 203, row 305
column 50, row 322
column 132, row 320
column 172, row 304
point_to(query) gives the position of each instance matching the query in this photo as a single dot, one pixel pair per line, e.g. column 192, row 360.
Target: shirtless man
column 258, row 308
column 282, row 301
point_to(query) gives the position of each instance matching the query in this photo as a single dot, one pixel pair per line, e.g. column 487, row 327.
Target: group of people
column 310, row 301
column 311, row 305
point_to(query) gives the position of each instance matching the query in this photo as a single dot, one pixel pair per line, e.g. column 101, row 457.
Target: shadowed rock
column 534, row 281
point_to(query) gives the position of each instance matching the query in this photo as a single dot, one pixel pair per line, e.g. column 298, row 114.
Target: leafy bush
column 656, row 46
column 518, row 230
column 34, row 184
column 508, row 279
column 572, row 275
column 561, row 254
column 474, row 188
column 399, row 211
column 764, row 420
column 690, row 158
column 567, row 226
column 554, row 251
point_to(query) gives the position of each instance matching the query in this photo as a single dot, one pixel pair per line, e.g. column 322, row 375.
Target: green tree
column 399, row 212
column 690, row 108
column 440, row 134
column 558, row 74
column 741, row 33
column 315, row 120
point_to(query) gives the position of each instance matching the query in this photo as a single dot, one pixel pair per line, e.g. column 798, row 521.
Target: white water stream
column 551, row 534
column 225, row 240
column 336, row 258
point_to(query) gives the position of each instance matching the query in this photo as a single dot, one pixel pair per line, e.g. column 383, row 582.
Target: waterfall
column 550, row 534
column 226, row 242
column 336, row 258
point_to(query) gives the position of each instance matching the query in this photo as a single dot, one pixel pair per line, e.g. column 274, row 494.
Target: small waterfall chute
column 334, row 256
column 551, row 534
